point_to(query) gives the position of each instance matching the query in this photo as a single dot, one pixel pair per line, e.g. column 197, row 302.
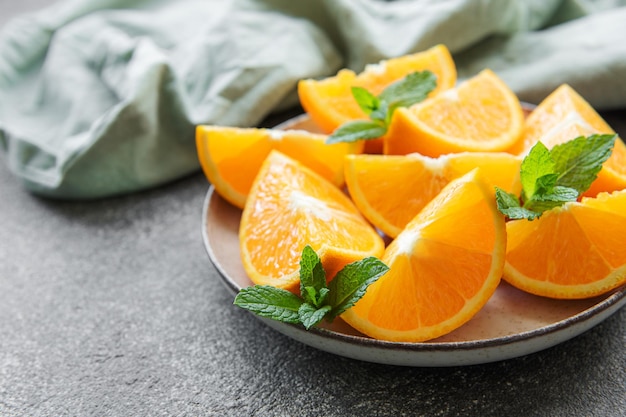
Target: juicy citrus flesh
column 290, row 206
column 565, row 115
column 444, row 267
column 330, row 102
column 231, row 157
column 391, row 189
column 612, row 177
column 481, row 115
column 563, row 105
column 574, row 251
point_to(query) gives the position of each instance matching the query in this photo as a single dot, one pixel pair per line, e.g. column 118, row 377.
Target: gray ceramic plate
column 512, row 323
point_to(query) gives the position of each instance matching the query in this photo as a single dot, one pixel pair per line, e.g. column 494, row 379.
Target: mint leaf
column 357, row 130
column 405, row 92
column 411, row 89
column 271, row 302
column 317, row 301
column 314, row 296
column 536, row 165
column 367, row 101
column 509, row 205
column 312, row 277
column 551, row 178
column 579, row 160
column 380, row 114
column 557, row 196
column 311, row 315
column 350, row 284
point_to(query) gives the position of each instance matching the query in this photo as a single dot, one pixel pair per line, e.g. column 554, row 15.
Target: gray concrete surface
column 112, row 308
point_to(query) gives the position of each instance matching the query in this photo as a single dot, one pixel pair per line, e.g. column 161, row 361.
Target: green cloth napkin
column 101, row 97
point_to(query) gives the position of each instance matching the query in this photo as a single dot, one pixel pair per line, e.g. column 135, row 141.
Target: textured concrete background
column 112, row 308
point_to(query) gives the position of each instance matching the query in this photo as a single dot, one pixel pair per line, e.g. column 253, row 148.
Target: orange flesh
column 481, row 114
column 231, row 157
column 443, row 267
column 575, row 251
column 289, row 207
column 391, row 189
column 330, row 103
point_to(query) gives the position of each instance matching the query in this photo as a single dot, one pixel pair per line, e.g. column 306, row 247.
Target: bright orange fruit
column 565, row 115
column 391, row 189
column 480, row 115
column 562, row 107
column 573, row 251
column 444, row 266
column 330, row 103
column 231, row 157
column 290, row 206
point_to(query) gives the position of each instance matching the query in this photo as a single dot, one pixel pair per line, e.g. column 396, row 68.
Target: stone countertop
column 112, row 308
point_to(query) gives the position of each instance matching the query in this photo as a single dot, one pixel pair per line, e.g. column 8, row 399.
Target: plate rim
column 607, row 306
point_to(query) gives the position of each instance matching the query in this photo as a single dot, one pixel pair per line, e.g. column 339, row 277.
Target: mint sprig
column 550, row 178
column 317, row 300
column 405, row 92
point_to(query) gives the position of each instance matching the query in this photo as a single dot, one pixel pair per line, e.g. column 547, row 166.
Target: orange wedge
column 573, row 251
column 481, row 115
column 391, row 189
column 564, row 106
column 231, row 157
column 444, row 266
column 330, row 103
column 290, row 206
column 565, row 115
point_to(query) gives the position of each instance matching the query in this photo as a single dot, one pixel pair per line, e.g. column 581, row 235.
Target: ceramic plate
column 512, row 324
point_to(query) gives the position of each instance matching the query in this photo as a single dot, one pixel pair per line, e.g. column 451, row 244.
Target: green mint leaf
column 509, row 205
column 505, row 200
column 350, row 284
column 579, row 160
column 380, row 114
column 357, row 130
column 312, row 276
column 537, row 164
column 409, row 90
column 367, row 101
column 315, row 296
column 555, row 198
column 318, row 301
column 545, row 184
column 308, row 294
column 311, row 315
column 551, row 178
column 322, row 296
column 271, row 302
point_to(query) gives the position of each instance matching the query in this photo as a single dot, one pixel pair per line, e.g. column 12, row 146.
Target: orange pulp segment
column 444, row 267
column 481, row 115
column 290, row 206
column 565, row 115
column 391, row 189
column 573, row 251
column 560, row 108
column 330, row 103
column 231, row 157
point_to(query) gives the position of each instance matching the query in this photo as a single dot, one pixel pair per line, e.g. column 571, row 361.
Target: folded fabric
column 101, row 97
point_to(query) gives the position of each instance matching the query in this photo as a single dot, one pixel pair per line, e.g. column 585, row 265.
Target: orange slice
column 290, row 206
column 444, row 267
column 565, row 115
column 573, row 251
column 330, row 103
column 231, row 157
column 391, row 189
column 562, row 107
column 482, row 115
